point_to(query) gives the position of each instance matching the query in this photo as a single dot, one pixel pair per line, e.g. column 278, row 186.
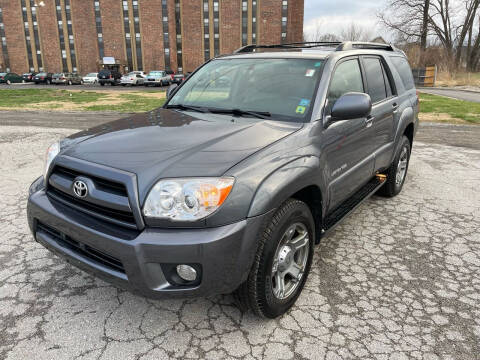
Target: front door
column 348, row 143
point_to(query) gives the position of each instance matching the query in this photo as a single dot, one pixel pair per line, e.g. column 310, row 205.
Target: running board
column 349, row 205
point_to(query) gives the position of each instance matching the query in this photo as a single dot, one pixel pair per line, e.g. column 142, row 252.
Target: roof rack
column 337, row 45
column 295, row 45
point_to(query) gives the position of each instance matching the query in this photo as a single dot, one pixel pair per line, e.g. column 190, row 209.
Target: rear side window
column 347, row 78
column 401, row 65
column 375, row 79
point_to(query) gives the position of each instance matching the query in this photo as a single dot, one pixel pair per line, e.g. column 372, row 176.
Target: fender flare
column 407, row 118
column 284, row 182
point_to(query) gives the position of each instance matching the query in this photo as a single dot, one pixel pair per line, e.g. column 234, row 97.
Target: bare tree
column 355, row 32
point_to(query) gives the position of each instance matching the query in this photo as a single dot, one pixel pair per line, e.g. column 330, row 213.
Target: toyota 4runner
column 228, row 186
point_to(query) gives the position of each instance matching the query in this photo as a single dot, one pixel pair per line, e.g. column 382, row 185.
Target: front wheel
column 282, row 262
column 9, row 82
column 397, row 172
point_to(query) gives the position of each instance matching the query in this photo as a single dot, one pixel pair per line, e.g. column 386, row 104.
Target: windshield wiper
column 187, row 107
column 239, row 112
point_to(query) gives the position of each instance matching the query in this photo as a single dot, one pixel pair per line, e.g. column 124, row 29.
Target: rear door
column 384, row 107
column 348, row 143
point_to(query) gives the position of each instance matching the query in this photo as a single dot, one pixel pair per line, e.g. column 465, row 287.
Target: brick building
column 76, row 35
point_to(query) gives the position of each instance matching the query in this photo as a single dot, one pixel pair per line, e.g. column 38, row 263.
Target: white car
column 133, row 78
column 91, row 78
column 158, row 78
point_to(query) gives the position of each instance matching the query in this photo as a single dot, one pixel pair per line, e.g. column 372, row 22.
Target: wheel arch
column 298, row 179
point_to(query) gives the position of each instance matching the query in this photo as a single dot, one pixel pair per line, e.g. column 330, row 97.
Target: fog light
column 186, row 272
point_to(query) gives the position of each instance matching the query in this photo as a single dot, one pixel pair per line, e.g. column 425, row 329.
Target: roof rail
column 337, row 45
column 354, row 45
column 295, row 45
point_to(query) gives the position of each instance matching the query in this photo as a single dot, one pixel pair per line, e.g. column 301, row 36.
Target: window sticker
column 310, row 73
column 301, row 110
column 304, row 102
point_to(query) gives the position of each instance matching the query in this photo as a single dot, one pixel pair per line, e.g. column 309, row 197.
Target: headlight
column 52, row 151
column 187, row 199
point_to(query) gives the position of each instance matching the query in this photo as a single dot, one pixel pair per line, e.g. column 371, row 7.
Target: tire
column 259, row 292
column 23, row 81
column 393, row 186
column 102, row 84
column 9, row 82
column 48, row 82
column 70, row 82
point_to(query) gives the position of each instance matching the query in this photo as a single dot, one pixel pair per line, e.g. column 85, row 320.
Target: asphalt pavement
column 85, row 87
column 466, row 95
column 399, row 279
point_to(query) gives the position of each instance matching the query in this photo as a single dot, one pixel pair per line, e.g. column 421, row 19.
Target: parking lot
column 399, row 279
column 84, row 87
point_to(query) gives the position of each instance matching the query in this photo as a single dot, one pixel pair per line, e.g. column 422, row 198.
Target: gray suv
column 230, row 185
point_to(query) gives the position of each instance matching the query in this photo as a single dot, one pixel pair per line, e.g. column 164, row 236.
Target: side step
column 348, row 206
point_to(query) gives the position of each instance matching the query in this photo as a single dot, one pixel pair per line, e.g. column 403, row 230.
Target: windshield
column 42, row 74
column 282, row 88
column 92, row 75
column 3, row 74
column 155, row 73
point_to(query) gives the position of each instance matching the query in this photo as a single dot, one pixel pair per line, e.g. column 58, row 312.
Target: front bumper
column 222, row 256
column 58, row 81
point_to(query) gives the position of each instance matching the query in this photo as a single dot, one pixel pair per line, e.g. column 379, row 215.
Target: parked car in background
column 158, row 78
column 43, row 78
column 91, row 78
column 111, row 77
column 10, row 78
column 66, row 79
column 178, row 79
column 133, row 79
column 28, row 77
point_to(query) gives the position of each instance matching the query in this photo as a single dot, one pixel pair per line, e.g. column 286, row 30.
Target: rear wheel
column 9, row 82
column 397, row 172
column 48, row 82
column 282, row 262
column 69, row 82
column 102, row 84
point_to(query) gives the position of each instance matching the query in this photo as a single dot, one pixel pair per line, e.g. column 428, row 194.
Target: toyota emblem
column 80, row 188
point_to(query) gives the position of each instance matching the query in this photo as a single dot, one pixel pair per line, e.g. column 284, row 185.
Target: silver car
column 134, row 78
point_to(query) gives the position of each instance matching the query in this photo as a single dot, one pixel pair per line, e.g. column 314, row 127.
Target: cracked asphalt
column 399, row 279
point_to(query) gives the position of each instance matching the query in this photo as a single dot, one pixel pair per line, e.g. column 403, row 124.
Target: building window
column 166, row 42
column 254, row 21
column 178, row 24
column 284, row 20
column 68, row 17
column 206, row 29
column 98, row 22
column 244, row 22
column 6, row 61
column 128, row 38
column 138, row 37
column 26, row 30
column 216, row 29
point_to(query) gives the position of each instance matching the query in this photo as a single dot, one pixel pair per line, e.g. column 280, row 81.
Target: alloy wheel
column 402, row 167
column 290, row 261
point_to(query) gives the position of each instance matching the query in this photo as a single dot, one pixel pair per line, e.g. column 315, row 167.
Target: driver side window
column 347, row 78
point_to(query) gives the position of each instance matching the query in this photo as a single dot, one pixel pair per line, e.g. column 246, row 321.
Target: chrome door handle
column 369, row 121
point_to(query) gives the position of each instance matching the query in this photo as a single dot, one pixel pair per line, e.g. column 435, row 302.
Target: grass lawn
column 79, row 100
column 450, row 110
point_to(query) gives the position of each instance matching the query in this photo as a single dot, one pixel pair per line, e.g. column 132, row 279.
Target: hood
column 167, row 143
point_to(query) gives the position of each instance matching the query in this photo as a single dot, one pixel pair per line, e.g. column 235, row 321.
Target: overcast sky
column 334, row 15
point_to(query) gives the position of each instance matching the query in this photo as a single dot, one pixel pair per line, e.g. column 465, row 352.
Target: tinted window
column 347, row 78
column 375, row 80
column 262, row 85
column 401, row 64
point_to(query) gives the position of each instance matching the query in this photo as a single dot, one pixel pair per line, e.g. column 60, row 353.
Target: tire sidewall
column 273, row 306
column 397, row 188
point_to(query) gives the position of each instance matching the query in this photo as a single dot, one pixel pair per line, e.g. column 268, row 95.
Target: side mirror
column 352, row 106
column 170, row 90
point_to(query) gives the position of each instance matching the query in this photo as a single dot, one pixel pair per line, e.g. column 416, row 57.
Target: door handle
column 369, row 120
column 395, row 106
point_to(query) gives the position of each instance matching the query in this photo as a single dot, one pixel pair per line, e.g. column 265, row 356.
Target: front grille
column 103, row 212
column 81, row 249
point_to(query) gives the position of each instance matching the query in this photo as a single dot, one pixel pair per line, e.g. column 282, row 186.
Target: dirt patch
column 440, row 118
